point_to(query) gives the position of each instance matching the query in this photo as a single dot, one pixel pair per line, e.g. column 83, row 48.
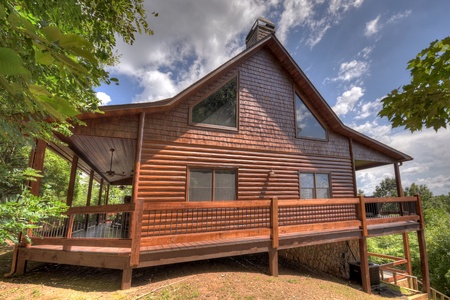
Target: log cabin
column 248, row 159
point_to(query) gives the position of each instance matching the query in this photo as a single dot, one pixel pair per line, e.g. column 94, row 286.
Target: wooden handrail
column 193, row 205
column 391, row 199
column 101, row 209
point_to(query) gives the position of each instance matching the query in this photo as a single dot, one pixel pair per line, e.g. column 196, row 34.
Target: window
column 307, row 124
column 212, row 184
column 314, row 185
column 218, row 109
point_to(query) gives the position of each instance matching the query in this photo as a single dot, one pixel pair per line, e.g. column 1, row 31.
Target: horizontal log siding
column 163, row 175
column 266, row 115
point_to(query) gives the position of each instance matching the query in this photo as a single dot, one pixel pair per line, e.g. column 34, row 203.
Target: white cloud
column 368, row 109
column 365, row 52
column 374, row 130
column 372, row 27
column 397, row 17
column 308, row 13
column 346, row 102
column 352, row 70
column 368, row 179
column 187, row 44
column 103, row 97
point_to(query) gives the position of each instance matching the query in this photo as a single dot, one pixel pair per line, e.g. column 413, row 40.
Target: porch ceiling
column 94, row 151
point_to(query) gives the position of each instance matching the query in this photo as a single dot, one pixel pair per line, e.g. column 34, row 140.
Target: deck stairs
column 413, row 284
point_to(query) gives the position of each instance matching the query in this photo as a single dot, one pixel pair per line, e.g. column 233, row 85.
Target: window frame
column 213, row 169
column 315, row 184
column 204, row 125
column 301, row 97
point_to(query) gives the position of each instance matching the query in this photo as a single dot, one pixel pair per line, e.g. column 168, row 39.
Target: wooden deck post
column 99, row 202
column 273, row 251
column 127, row 274
column 406, row 250
column 364, row 264
column 362, row 215
column 422, row 248
column 37, row 163
column 136, row 217
column 107, row 194
column 88, row 200
column 73, row 175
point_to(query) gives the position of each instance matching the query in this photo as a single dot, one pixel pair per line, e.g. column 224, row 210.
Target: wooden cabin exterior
column 248, row 159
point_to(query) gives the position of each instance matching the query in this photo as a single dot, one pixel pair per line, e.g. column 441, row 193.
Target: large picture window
column 218, row 109
column 307, row 124
column 212, row 184
column 314, row 185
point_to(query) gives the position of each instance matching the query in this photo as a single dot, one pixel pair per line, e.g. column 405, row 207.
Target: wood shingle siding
column 266, row 115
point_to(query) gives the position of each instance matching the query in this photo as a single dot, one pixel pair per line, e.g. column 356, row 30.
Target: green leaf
column 38, row 90
column 52, row 33
column 73, row 40
column 44, row 58
column 11, row 63
column 2, row 12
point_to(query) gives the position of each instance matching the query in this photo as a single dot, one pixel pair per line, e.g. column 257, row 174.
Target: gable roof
column 299, row 78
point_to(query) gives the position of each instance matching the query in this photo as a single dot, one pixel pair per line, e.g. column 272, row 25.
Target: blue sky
column 354, row 52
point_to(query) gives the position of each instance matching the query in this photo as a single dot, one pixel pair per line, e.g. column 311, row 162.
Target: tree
column 52, row 54
column 386, row 188
column 425, row 101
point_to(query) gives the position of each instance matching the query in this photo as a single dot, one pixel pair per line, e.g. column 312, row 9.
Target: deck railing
column 163, row 223
column 99, row 226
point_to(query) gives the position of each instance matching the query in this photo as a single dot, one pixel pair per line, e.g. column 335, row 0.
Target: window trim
column 214, row 168
column 191, row 106
column 315, row 184
column 326, row 139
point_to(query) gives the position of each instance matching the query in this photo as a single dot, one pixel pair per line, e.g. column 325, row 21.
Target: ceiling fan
column 110, row 172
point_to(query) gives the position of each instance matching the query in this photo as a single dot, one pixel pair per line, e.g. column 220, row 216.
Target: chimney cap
column 261, row 24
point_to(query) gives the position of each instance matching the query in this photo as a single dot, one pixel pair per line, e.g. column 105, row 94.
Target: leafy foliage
column 18, row 215
column 425, row 101
column 437, row 220
column 52, row 53
column 386, row 188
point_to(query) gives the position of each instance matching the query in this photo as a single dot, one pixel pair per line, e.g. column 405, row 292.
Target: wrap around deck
column 139, row 235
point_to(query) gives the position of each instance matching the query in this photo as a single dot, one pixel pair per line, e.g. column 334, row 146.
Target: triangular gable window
column 218, row 109
column 307, row 124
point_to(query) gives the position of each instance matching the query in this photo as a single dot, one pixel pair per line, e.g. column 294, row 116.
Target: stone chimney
column 260, row 30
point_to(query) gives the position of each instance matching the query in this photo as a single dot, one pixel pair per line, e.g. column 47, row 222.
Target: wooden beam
column 422, row 247
column 38, row 165
column 136, row 217
column 89, row 196
column 273, row 262
column 423, row 261
column 99, row 202
column 364, row 264
column 68, row 233
column 114, row 208
column 352, row 158
column 127, row 274
column 274, row 223
column 398, row 180
column 407, row 252
column 73, row 176
column 362, row 215
column 107, row 194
